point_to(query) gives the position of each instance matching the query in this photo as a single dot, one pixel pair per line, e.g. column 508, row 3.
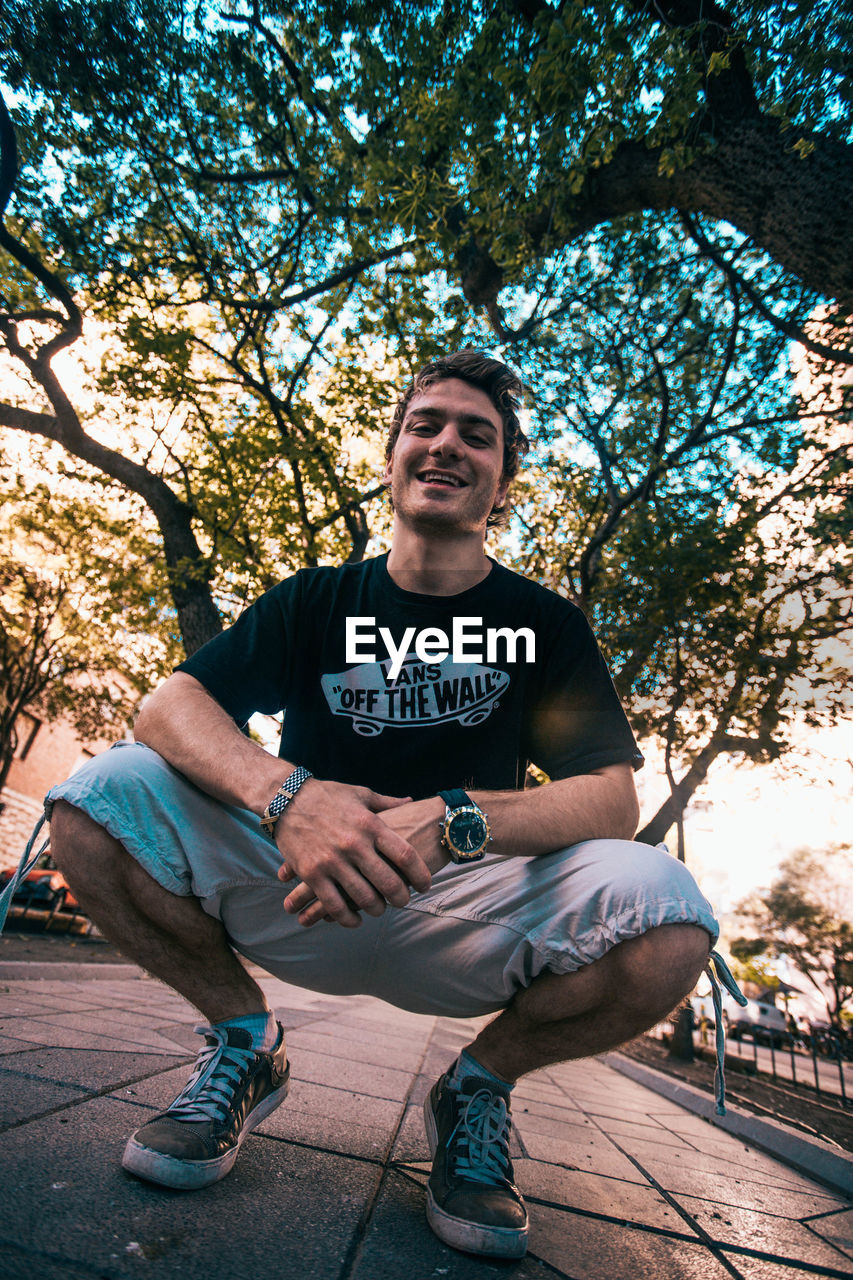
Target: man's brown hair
column 503, row 387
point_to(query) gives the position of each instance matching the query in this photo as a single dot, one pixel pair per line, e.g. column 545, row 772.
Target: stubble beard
column 443, row 524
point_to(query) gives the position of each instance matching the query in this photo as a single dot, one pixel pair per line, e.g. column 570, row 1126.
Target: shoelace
column 219, row 1068
column 479, row 1144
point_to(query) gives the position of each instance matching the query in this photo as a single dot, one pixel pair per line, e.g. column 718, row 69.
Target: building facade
column 47, row 752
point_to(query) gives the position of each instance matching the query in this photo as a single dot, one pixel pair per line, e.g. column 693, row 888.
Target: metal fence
column 820, row 1063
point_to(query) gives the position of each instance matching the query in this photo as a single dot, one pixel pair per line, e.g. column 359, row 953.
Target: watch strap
column 456, row 799
column 283, row 797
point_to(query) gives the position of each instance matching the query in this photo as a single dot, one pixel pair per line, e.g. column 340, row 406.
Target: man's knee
column 645, row 887
column 666, row 955
column 91, row 860
column 73, row 834
column 655, row 971
column 614, row 891
column 127, row 806
column 631, row 864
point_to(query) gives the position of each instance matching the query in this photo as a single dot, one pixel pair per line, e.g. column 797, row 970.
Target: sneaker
column 472, row 1201
column 232, row 1089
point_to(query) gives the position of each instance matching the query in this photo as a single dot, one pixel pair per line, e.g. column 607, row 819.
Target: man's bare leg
column 196, row 1140
column 472, row 1202
column 170, row 936
column 574, row 1015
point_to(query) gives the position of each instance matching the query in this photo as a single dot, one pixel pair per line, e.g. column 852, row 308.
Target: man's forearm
column 187, row 727
column 600, row 805
column 333, row 838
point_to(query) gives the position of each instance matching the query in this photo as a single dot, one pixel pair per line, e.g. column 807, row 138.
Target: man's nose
column 448, row 442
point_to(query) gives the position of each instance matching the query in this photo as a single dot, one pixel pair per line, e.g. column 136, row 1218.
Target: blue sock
column 467, row 1065
column 262, row 1027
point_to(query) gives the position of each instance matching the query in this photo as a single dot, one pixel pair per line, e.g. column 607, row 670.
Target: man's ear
column 503, row 490
column 386, row 475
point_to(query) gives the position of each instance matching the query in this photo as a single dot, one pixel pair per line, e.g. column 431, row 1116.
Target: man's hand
column 348, row 858
column 601, row 804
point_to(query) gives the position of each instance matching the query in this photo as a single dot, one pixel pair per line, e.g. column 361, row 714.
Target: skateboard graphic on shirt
column 424, row 693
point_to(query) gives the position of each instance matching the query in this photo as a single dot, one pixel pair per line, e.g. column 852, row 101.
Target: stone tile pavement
column 620, row 1182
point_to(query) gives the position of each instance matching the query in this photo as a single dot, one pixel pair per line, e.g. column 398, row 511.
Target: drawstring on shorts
column 23, row 870
column 719, row 972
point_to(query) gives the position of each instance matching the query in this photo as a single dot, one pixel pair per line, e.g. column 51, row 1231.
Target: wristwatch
column 465, row 830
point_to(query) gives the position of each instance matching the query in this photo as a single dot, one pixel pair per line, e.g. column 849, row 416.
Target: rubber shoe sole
column 461, row 1233
column 190, row 1175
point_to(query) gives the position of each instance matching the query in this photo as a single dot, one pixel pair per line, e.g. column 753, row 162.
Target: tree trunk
column 750, row 176
column 681, row 1045
column 655, row 830
column 7, row 753
column 186, row 565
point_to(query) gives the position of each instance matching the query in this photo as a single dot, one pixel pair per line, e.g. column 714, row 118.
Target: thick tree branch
column 750, row 176
column 186, row 565
column 769, row 182
column 790, row 328
column 73, row 323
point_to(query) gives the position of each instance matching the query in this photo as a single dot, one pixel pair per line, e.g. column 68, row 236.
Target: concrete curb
column 819, row 1160
column 62, row 971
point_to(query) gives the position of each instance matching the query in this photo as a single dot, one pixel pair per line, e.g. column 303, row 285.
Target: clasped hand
column 333, row 839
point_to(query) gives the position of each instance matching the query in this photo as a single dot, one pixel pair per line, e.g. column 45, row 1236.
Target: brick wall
column 19, row 816
column 50, row 754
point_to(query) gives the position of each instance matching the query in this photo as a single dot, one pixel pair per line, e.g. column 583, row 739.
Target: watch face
column 467, row 832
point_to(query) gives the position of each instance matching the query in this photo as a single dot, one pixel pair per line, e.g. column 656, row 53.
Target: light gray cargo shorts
column 461, row 949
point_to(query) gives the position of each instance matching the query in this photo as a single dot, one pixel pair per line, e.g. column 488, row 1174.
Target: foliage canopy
column 807, row 915
column 279, row 212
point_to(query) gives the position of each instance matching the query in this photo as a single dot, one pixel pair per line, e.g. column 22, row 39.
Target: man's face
column 446, row 471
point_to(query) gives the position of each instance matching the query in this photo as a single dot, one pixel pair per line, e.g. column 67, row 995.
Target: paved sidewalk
column 620, row 1182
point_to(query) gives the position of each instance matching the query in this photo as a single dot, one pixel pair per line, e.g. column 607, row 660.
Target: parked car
column 45, row 888
column 758, row 1019
column 828, row 1041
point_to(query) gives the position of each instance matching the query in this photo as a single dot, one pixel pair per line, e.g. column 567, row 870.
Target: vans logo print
column 422, row 694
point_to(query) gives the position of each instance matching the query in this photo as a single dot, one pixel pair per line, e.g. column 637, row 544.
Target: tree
column 695, row 507
column 807, row 915
column 80, row 634
column 271, row 207
column 760, row 973
column 45, row 658
column 546, row 121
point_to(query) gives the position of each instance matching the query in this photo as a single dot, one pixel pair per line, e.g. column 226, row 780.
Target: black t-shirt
column 471, row 715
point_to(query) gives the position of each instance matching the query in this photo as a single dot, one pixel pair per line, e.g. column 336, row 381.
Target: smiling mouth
column 442, row 479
